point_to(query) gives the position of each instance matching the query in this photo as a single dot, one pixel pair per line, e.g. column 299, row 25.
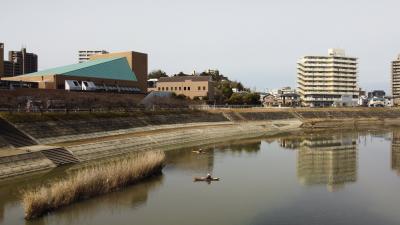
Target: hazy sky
column 255, row 41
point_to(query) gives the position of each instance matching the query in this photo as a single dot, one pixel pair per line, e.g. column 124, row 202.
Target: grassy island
column 90, row 182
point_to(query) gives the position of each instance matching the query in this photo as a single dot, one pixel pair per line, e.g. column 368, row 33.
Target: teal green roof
column 116, row 68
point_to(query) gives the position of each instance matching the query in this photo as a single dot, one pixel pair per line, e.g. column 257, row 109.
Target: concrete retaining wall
column 177, row 139
column 23, row 164
column 47, row 132
column 166, row 132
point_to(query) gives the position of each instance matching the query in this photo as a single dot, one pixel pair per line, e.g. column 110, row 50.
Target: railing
column 89, row 110
column 207, row 107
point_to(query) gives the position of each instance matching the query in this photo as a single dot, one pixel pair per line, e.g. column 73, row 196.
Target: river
column 346, row 177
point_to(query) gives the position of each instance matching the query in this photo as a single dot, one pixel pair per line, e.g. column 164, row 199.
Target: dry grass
column 90, row 182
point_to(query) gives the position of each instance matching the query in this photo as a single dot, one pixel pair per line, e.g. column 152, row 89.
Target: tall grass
column 90, row 182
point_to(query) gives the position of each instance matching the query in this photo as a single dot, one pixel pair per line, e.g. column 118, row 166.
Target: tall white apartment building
column 328, row 80
column 84, row 55
column 396, row 81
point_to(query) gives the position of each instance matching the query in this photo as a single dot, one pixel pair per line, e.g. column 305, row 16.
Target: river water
column 347, row 177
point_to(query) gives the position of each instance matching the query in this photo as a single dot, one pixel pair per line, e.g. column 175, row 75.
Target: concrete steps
column 60, row 156
column 13, row 136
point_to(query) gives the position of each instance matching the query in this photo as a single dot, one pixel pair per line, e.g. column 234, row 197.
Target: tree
column 236, row 99
column 156, row 74
column 251, row 99
column 181, row 74
column 244, row 99
column 215, row 76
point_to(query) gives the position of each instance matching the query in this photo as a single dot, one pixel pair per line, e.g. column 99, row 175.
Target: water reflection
column 251, row 146
column 187, row 160
column 129, row 198
column 395, row 162
column 331, row 161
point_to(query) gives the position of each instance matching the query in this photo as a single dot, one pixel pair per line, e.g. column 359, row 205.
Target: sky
column 257, row 42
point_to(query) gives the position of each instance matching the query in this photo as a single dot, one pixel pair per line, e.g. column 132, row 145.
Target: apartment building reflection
column 395, row 164
column 250, row 146
column 185, row 159
column 330, row 161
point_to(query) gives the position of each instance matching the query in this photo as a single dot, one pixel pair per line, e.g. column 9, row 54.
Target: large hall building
column 116, row 72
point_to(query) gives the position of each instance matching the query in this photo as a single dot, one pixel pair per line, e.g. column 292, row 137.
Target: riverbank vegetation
column 90, row 182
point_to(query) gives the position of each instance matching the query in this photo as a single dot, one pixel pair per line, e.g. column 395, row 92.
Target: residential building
column 84, row 55
column 190, row 86
column 19, row 62
column 137, row 61
column 284, row 97
column 376, row 93
column 27, row 62
column 328, row 80
column 1, row 59
column 396, row 81
column 108, row 74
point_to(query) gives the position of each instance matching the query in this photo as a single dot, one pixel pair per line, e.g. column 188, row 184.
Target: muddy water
column 332, row 178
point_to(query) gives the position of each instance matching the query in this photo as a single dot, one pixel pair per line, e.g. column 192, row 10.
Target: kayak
column 206, row 179
column 198, row 152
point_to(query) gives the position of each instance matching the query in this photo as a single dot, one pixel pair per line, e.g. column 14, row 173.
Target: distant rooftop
column 183, row 78
column 336, row 52
column 116, row 68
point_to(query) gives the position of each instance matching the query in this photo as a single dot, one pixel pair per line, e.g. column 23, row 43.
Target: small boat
column 200, row 151
column 206, row 179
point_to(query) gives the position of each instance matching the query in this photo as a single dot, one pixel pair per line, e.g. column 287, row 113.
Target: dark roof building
column 19, row 62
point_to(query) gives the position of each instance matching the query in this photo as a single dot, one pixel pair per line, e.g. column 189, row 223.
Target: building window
column 188, row 88
column 184, row 88
column 163, row 88
column 159, row 88
column 198, row 88
column 204, row 88
column 175, row 88
column 180, row 88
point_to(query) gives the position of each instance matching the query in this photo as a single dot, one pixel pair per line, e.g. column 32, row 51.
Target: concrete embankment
column 77, row 137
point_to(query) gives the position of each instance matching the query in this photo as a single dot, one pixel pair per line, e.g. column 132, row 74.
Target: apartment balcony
column 320, row 99
column 329, row 81
column 329, row 93
column 326, row 70
column 328, row 64
column 328, row 58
